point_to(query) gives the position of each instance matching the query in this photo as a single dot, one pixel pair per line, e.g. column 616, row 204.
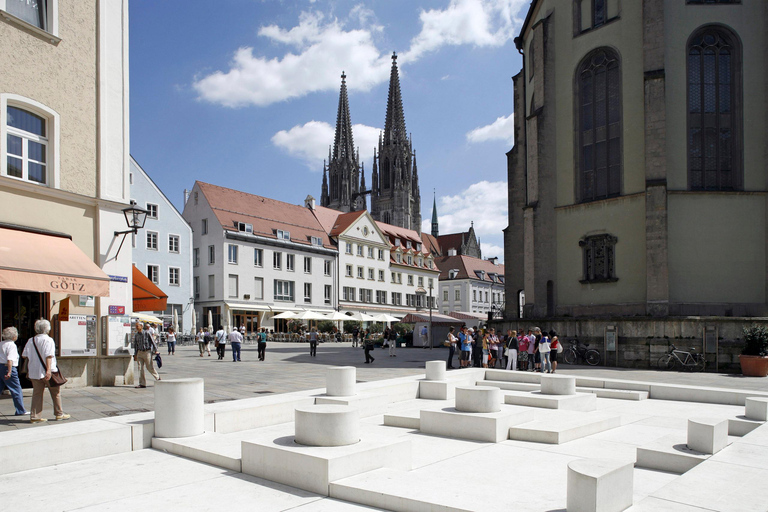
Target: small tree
column 755, row 341
column 325, row 326
column 349, row 325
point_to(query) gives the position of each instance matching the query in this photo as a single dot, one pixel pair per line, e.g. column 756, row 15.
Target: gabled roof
column 326, row 217
column 452, row 241
column 431, row 244
column 344, row 220
column 467, row 267
column 403, row 234
column 266, row 215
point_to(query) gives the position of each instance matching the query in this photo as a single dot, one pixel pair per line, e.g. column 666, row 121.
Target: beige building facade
column 637, row 182
column 64, row 170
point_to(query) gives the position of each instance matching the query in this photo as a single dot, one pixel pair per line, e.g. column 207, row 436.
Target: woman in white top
column 544, row 349
column 39, row 372
column 9, row 357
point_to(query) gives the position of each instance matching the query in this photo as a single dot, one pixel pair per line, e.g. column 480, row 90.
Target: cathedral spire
column 435, row 231
column 324, row 199
column 394, row 124
column 343, row 143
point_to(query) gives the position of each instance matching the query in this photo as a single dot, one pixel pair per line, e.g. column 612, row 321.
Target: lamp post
column 135, row 218
column 430, row 314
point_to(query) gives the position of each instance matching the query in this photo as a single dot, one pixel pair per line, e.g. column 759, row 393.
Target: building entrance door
column 20, row 310
column 248, row 319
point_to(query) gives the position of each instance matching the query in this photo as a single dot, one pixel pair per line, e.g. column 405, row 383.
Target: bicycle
column 578, row 351
column 686, row 360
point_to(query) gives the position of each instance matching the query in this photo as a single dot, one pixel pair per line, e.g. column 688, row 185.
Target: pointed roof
column 470, row 268
column 434, row 209
column 343, row 143
column 344, row 220
column 394, row 124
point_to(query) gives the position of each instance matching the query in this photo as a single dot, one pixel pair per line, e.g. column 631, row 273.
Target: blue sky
column 243, row 94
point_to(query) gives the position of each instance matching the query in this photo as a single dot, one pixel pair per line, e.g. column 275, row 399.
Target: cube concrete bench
column 756, row 408
column 707, row 435
column 577, row 402
column 669, row 453
column 491, row 427
column 436, row 390
column 599, row 485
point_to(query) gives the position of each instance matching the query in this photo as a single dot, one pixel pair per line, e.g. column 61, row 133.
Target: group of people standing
column 220, row 338
column 484, row 348
column 40, row 354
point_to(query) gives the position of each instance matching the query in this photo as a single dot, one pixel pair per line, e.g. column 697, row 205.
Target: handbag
column 57, row 379
column 559, row 347
column 158, row 360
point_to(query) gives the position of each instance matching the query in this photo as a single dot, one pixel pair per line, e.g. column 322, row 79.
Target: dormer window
column 453, row 273
column 245, row 228
column 480, row 274
column 399, row 258
column 283, row 235
column 397, row 242
column 316, row 240
column 421, row 262
column 418, row 246
column 407, row 244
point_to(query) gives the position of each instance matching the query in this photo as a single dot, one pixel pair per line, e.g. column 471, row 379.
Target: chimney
column 494, row 260
column 309, row 202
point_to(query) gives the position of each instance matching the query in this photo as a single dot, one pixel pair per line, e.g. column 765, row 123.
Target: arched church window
column 714, row 110
column 600, row 114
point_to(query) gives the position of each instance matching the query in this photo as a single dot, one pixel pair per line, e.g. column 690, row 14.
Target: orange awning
column 146, row 295
column 48, row 263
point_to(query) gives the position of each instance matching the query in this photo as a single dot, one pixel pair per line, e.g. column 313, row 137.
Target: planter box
column 754, row 366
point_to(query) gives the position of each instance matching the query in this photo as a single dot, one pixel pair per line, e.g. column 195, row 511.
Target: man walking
column 262, row 343
column 313, row 342
column 221, row 342
column 355, row 336
column 235, row 339
column 424, row 336
column 143, row 349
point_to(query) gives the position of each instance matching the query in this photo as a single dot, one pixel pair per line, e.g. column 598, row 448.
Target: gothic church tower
column 395, row 197
column 342, row 176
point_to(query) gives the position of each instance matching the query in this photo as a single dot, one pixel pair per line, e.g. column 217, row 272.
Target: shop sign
column 64, row 310
column 118, row 279
column 86, row 301
column 68, row 284
column 116, row 310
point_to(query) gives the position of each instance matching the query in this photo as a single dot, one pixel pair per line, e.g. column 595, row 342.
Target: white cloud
column 491, row 251
column 475, row 22
column 503, row 128
column 321, row 47
column 310, row 142
column 323, row 50
column 484, row 203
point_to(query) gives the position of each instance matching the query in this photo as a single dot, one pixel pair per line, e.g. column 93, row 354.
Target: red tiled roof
column 431, row 244
column 452, row 240
column 265, row 214
column 467, row 265
column 401, row 233
column 344, row 220
column 326, row 217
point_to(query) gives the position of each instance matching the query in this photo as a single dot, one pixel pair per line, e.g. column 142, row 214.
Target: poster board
column 77, row 337
column 117, row 335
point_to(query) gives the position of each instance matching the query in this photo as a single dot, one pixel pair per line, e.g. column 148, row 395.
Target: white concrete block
column 210, row 448
column 366, row 404
column 340, row 381
column 599, row 485
column 511, row 386
column 756, row 408
column 557, row 430
column 503, row 375
column 255, row 412
column 707, row 435
column 313, row 468
column 179, row 410
column 478, row 399
column 740, row 426
column 558, row 385
column 436, row 370
column 578, row 402
column 436, row 390
column 617, row 394
column 327, row 425
column 490, row 427
column 669, row 453
column 404, row 419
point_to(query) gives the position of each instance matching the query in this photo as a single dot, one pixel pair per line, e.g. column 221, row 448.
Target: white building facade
column 162, row 250
column 470, row 285
column 254, row 257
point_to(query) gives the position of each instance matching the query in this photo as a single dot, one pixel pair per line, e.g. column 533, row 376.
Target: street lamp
column 430, row 314
column 135, row 218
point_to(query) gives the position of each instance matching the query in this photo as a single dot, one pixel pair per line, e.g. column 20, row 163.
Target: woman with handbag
column 40, row 352
column 557, row 348
column 9, row 358
column 451, row 342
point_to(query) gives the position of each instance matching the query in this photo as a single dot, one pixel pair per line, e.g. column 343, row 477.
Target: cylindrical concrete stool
column 478, row 399
column 436, row 370
column 558, row 385
column 179, row 408
column 340, row 381
column 327, row 425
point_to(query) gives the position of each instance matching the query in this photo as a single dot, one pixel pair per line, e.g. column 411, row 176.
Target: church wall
column 622, row 217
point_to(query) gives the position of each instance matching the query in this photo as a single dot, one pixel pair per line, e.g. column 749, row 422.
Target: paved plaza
column 417, row 449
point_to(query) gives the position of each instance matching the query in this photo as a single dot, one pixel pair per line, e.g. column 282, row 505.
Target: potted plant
column 754, row 355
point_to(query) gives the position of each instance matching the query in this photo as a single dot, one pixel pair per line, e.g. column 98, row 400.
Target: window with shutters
column 714, row 114
column 600, row 116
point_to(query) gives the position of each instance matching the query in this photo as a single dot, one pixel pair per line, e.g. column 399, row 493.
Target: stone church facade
column 394, row 191
column 637, row 180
